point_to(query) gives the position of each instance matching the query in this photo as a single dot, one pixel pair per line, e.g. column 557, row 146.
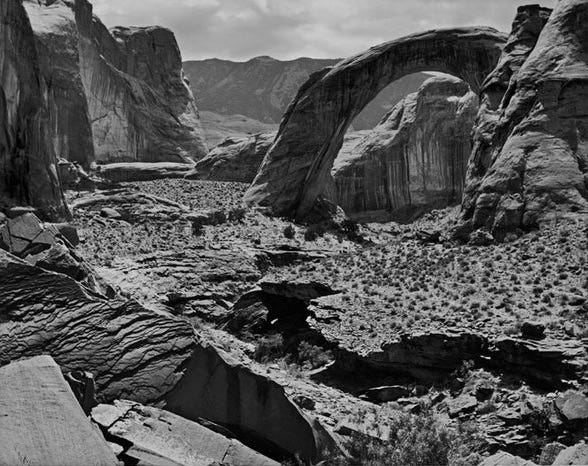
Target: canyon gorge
column 374, row 260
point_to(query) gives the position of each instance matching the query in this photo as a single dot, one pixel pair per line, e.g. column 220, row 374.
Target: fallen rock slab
column 42, row 423
column 142, row 171
column 147, row 434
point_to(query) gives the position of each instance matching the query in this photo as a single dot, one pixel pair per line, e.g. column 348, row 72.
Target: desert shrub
column 197, row 228
column 312, row 356
column 269, row 349
column 314, row 232
column 237, row 214
column 289, row 232
column 218, row 217
column 415, row 440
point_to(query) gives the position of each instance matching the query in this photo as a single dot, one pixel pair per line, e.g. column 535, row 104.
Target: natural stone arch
column 296, row 169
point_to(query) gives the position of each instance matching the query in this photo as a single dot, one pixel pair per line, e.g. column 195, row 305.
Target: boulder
column 550, row 452
column 576, row 455
column 116, row 96
column 27, row 160
column 26, row 235
column 41, row 421
column 503, row 458
column 234, row 159
column 529, row 159
column 414, row 160
column 295, row 171
column 151, row 435
column 573, row 407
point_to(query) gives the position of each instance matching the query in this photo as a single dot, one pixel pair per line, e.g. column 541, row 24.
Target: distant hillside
column 262, row 87
column 218, row 127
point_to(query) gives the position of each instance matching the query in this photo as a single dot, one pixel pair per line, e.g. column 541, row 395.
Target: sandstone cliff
column 529, row 162
column 263, row 87
column 114, row 96
column 297, row 168
column 28, row 173
column 414, row 160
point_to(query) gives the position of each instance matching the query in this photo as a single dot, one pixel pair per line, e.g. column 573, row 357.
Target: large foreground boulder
column 414, row 160
column 296, row 170
column 530, row 160
column 28, row 174
column 42, row 423
column 147, row 357
column 115, row 95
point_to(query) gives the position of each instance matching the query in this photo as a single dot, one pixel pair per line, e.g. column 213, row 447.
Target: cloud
column 285, row 29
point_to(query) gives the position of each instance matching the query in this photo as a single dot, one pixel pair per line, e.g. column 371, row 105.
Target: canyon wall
column 28, row 173
column 296, row 170
column 115, row 96
column 530, row 157
column 415, row 160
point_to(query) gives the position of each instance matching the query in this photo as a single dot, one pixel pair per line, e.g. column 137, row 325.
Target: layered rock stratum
column 530, row 159
column 296, row 169
column 414, row 161
column 114, row 96
column 263, row 87
column 28, row 165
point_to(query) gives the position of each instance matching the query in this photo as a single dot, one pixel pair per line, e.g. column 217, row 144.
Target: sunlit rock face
column 414, row 160
column 529, row 162
column 296, row 170
column 115, row 96
column 28, row 173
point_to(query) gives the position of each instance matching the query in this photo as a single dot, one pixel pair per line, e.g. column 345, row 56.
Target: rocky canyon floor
column 365, row 326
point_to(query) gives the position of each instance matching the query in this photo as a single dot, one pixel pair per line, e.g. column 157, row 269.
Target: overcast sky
column 287, row 29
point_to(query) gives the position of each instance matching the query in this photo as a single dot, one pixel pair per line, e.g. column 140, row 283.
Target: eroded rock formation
column 530, row 155
column 234, row 159
column 28, row 173
column 144, row 356
column 296, row 169
column 414, row 160
column 114, row 96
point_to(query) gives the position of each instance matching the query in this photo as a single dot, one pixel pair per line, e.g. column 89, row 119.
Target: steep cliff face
column 531, row 143
column 415, row 160
column 234, row 159
column 262, row 87
column 296, row 170
column 28, row 173
column 114, row 96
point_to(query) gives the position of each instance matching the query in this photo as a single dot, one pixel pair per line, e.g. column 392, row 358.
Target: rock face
column 296, row 169
column 144, row 356
column 262, row 88
column 114, row 96
column 233, row 159
column 28, row 172
column 530, row 155
column 41, row 421
column 414, row 160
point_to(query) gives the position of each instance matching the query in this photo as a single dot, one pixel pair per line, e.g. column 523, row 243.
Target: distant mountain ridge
column 262, row 87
